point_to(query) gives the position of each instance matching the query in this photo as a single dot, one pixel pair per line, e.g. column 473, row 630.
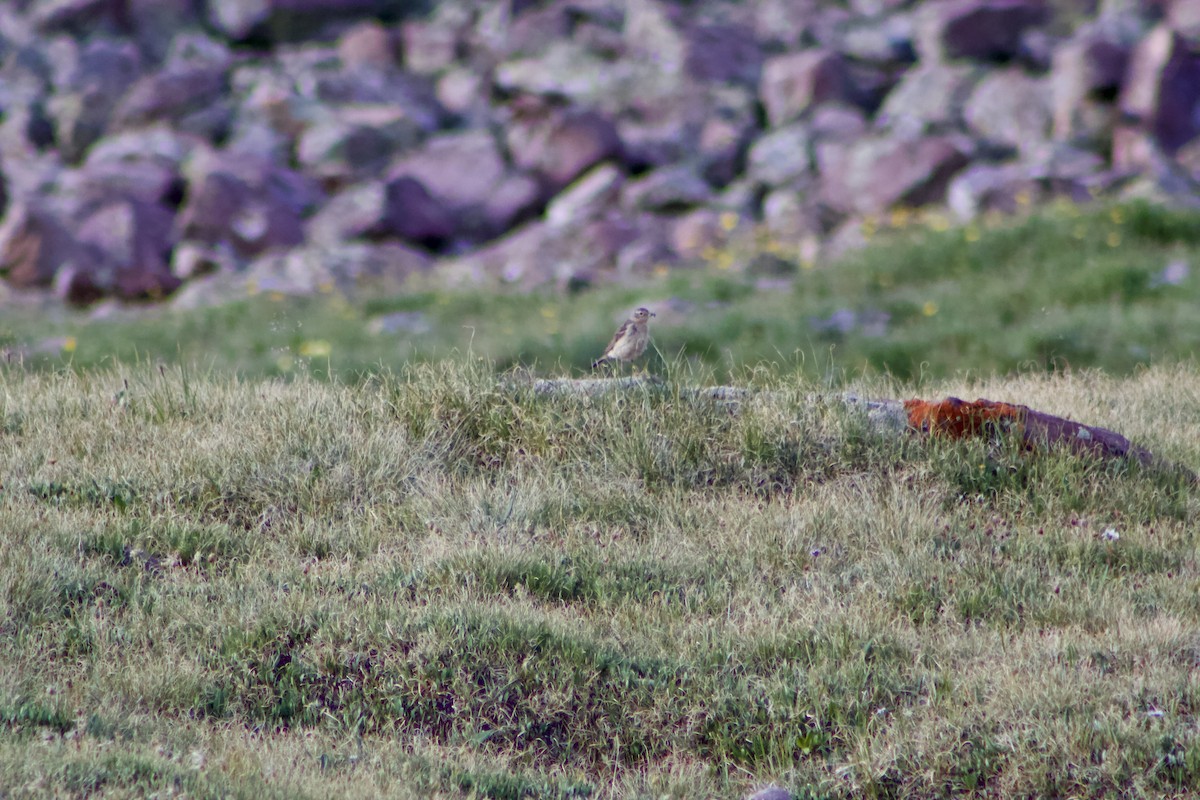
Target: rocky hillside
column 192, row 148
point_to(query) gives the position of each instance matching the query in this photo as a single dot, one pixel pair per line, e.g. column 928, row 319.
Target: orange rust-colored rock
column 960, row 419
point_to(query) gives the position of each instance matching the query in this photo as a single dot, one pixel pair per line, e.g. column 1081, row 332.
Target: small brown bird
column 630, row 340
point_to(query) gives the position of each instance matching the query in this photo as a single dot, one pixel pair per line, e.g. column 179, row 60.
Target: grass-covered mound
column 433, row 583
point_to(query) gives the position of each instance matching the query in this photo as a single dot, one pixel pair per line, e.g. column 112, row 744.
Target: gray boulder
column 468, row 175
column 781, row 157
column 597, row 191
column 881, row 172
column 559, row 145
column 1010, row 108
column 927, row 99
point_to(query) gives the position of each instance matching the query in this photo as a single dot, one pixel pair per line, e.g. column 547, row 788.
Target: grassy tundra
column 431, row 584
column 424, row 581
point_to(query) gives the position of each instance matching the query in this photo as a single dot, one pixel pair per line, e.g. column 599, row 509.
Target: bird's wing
column 628, row 328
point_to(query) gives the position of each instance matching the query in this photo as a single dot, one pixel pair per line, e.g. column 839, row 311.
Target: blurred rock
column 133, row 240
column 190, row 260
column 928, row 98
column 253, row 204
column 723, row 53
column 558, row 146
column 587, row 198
column 284, row 20
column 879, row 173
column 356, row 212
column 566, row 70
column 429, row 47
column 463, row 93
column 1162, row 89
column 148, row 141
column 1009, row 108
column 351, row 269
column 468, row 175
column 367, row 45
column 189, row 97
column 880, row 39
column 991, row 187
column 694, row 233
column 356, row 141
column 721, row 146
column 35, row 245
column 790, row 216
column 81, row 108
column 667, row 190
column 781, row 157
column 793, row 82
column 413, row 214
column 980, row 30
column 1087, row 70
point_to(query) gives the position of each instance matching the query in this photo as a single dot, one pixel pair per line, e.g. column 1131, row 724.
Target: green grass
column 1063, row 287
column 434, row 583
column 269, row 549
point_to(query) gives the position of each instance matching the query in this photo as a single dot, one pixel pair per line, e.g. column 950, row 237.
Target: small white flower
column 1110, row 535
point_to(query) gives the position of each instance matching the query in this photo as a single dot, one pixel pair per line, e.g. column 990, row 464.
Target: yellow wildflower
column 315, row 348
